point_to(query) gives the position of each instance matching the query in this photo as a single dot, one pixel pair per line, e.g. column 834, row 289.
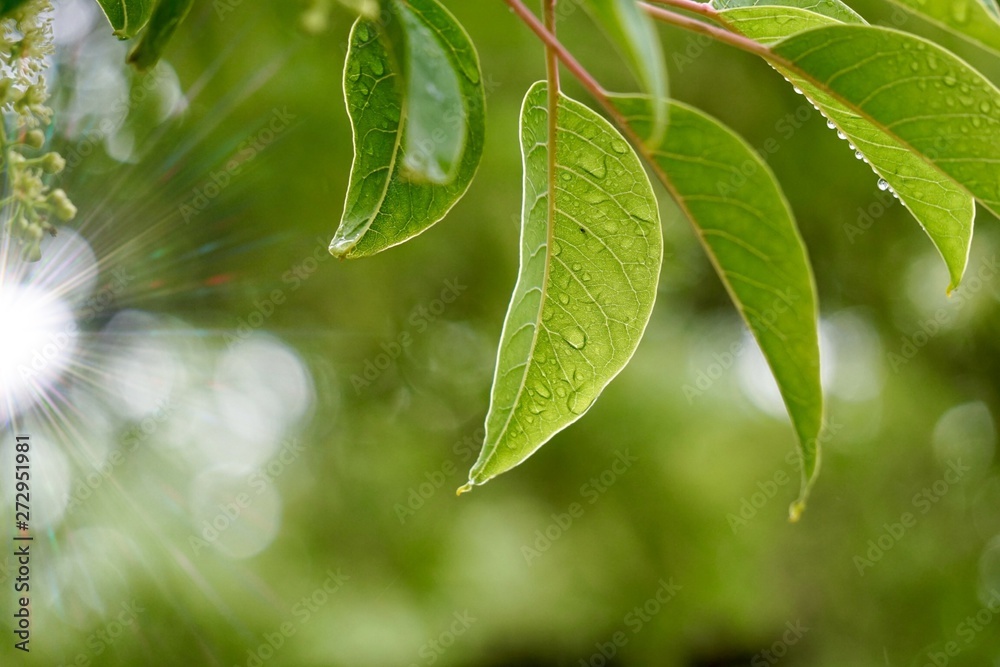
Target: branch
column 703, row 8
column 551, row 58
column 718, row 34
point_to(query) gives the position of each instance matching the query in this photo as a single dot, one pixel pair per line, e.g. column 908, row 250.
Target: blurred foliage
column 366, row 492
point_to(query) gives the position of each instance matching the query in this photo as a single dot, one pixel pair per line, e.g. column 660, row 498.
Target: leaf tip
column 341, row 248
column 952, row 286
column 464, row 489
column 796, row 509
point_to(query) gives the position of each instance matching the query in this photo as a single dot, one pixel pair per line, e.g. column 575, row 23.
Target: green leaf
column 746, row 226
column 833, row 9
column 127, row 17
column 392, row 194
column 927, row 100
column 768, row 24
column 591, row 250
column 634, row 34
column 917, row 173
column 162, row 24
column 433, row 141
column 974, row 20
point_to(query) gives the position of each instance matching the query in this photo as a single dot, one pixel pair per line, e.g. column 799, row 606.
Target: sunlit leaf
column 634, row 33
column 127, row 17
column 772, row 24
column 928, row 99
column 162, row 24
column 974, row 20
column 917, row 173
column 746, row 226
column 591, row 250
column 833, row 9
column 417, row 140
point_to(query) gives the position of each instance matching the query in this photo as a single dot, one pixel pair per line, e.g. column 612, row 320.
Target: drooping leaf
column 932, row 193
column 834, row 9
column 162, row 24
column 392, row 197
column 127, row 17
column 974, row 20
column 932, row 102
column 634, row 34
column 433, row 141
column 591, row 250
column 740, row 213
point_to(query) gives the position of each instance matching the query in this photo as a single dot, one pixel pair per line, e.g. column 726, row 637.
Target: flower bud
column 32, row 252
column 61, row 205
column 35, row 138
column 52, row 163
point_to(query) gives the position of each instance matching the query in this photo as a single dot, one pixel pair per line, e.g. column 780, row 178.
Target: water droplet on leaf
column 575, row 337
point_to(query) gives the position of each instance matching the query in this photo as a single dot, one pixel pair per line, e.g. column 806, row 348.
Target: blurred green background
column 244, row 467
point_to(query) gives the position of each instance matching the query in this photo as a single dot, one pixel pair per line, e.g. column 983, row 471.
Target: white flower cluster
column 25, row 43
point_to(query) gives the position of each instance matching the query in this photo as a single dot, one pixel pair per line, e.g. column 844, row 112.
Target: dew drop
column 575, row 337
column 830, row 124
column 542, row 390
column 949, row 79
column 377, row 68
column 882, row 184
column 619, row 147
column 564, row 299
column 566, row 176
column 340, row 247
column 470, row 69
column 577, row 266
column 960, row 11
column 556, row 248
column 859, row 155
column 362, row 33
column 353, row 71
column 577, row 404
column 594, row 166
column 798, row 91
column 841, row 135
